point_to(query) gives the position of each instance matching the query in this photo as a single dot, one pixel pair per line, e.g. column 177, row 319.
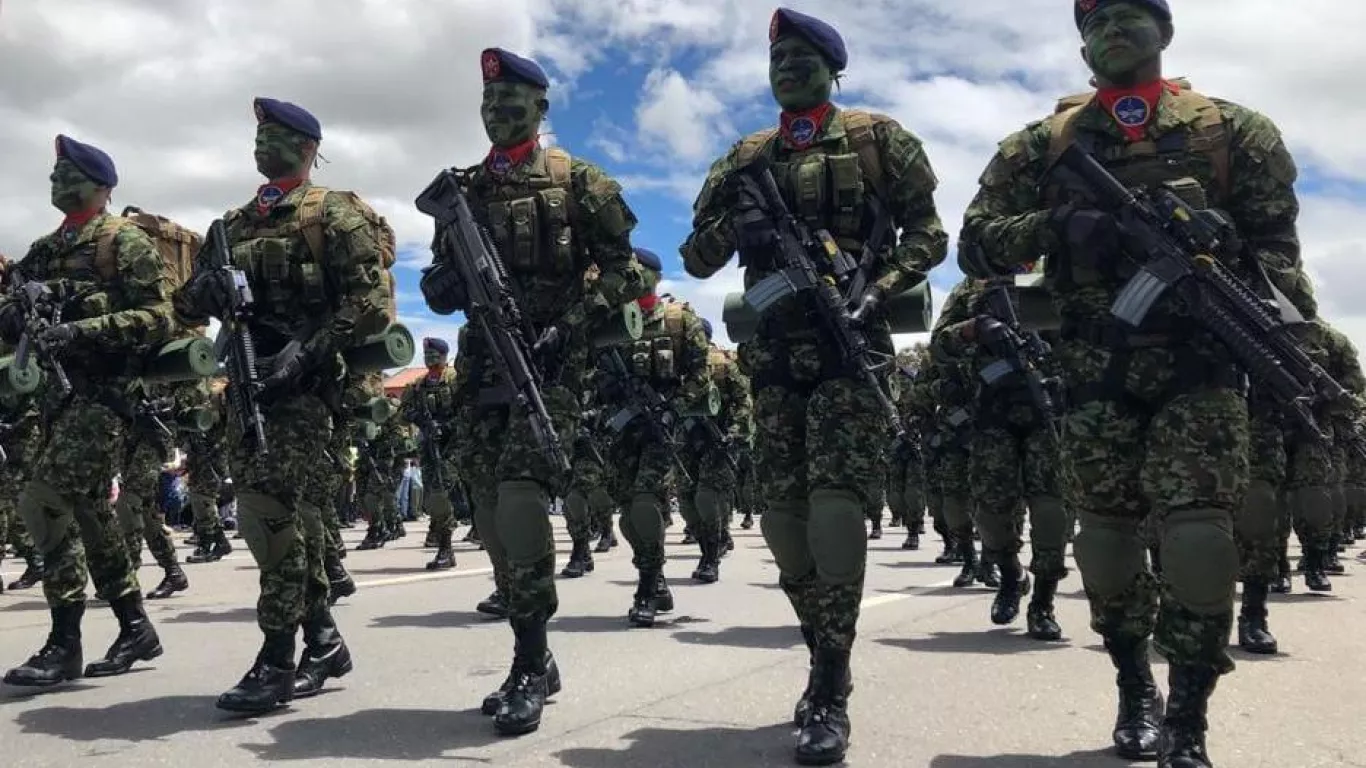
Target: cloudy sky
column 652, row 90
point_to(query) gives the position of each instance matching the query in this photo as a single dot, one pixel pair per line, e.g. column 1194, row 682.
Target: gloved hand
column 11, row 322
column 286, row 367
column 59, row 336
column 752, row 226
column 209, row 293
column 1085, row 230
column 868, row 305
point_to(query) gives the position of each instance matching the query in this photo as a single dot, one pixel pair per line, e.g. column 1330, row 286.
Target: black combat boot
column 174, row 581
column 374, row 538
column 747, row 521
column 912, row 541
column 60, row 657
column 339, row 582
column 444, row 560
column 472, row 537
column 137, row 640
column 688, row 536
column 727, row 543
column 895, row 521
column 580, row 560
column 1282, row 584
column 431, row 542
column 649, row 599
column 967, row 551
column 1040, row 621
column 494, row 605
column 951, row 554
column 535, row 677
column 1315, row 574
column 606, row 541
column 1331, row 563
column 1137, row 726
column 875, row 532
column 32, row 575
column 1183, row 728
column 270, row 681
column 803, row 707
column 709, row 567
column 824, row 735
column 1014, row 586
column 325, row 654
column 211, row 551
column 1253, row 635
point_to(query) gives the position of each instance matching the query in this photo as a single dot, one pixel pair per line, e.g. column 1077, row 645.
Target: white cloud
column 688, row 121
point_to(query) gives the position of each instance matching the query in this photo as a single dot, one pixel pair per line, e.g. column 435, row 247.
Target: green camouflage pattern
column 22, row 443
column 707, row 465
column 206, row 463
column 146, row 451
column 440, row 396
column 1259, row 531
column 378, row 470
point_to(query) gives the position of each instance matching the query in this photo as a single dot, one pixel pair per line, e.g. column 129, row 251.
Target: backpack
column 177, row 245
column 858, row 129
column 311, row 225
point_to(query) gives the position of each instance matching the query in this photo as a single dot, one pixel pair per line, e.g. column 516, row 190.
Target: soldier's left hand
column 868, row 305
column 59, row 336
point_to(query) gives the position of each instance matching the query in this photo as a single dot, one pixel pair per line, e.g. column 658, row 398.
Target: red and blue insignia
column 802, row 130
column 269, row 196
column 69, row 234
column 499, row 162
column 491, row 66
column 1086, row 6
column 1132, row 111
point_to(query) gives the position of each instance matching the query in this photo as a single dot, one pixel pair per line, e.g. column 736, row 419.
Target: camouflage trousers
column 1181, row 457
column 1312, row 474
column 747, row 498
column 1014, row 464
column 439, row 483
column 587, row 504
column 22, row 448
column 949, row 473
column 140, row 516
column 206, row 467
column 906, row 491
column 70, row 481
column 704, row 501
column 511, row 483
column 375, row 492
column 818, row 455
column 638, row 482
column 1262, row 522
column 281, row 527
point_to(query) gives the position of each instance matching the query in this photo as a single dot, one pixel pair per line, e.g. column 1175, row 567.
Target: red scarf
column 272, row 192
column 801, row 129
column 502, row 160
column 434, row 372
column 647, row 303
column 1134, row 107
column 73, row 222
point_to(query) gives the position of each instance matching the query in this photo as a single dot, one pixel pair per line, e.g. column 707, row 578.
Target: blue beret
column 706, row 326
column 291, row 116
column 91, row 161
column 436, row 345
column 1084, row 8
column 499, row 64
column 649, row 260
column 821, row 35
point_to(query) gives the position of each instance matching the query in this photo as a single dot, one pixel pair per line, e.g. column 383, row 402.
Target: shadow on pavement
column 378, row 734
column 920, row 564
column 992, row 641
column 135, row 721
column 1302, row 597
column 437, row 620
column 27, row 605
column 745, row 637
column 1092, row 758
column 690, row 748
column 245, row 615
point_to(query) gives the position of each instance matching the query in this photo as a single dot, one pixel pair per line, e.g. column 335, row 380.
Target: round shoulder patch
column 490, row 65
column 1132, row 111
column 802, row 130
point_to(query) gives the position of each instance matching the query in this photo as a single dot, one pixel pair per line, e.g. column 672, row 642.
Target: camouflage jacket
column 1009, row 217
column 116, row 320
column 736, row 419
column 329, row 301
column 438, row 398
column 671, row 354
column 1331, row 349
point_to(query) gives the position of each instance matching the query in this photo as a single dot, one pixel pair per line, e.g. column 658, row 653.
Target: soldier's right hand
column 749, row 220
column 1083, row 229
column 210, row 294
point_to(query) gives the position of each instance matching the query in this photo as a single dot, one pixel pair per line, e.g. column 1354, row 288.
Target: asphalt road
column 713, row 685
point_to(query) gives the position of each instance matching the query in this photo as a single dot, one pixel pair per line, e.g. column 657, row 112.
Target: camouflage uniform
column 819, row 432
column 147, row 451
column 1156, row 421
column 119, row 317
column 906, row 481
column 705, row 502
column 206, row 465
column 438, row 398
column 22, row 441
column 340, row 295
column 587, row 503
column 377, row 473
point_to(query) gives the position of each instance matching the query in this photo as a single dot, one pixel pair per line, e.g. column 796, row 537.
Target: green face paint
column 1121, row 38
column 798, row 74
column 280, row 152
column 512, row 112
column 72, row 191
column 433, row 358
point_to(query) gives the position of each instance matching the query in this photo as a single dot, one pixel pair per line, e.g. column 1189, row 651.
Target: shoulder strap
column 557, row 166
column 858, row 125
column 106, row 261
column 311, row 220
column 1062, row 125
column 1211, row 134
column 752, row 145
column 673, row 317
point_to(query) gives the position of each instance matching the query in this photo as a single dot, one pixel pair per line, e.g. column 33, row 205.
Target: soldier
column 550, row 216
column 906, row 480
column 1156, row 420
column 207, row 466
column 587, row 503
column 97, row 341
column 429, row 404
column 1014, row 463
column 334, row 253
column 380, row 465
column 20, row 440
column 819, row 432
column 705, row 502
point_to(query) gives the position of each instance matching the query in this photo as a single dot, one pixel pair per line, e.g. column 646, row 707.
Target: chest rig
column 656, row 355
column 80, row 261
column 529, row 214
column 438, row 397
column 1190, row 154
column 827, row 184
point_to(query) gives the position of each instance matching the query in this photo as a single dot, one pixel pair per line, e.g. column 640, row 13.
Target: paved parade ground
column 713, row 685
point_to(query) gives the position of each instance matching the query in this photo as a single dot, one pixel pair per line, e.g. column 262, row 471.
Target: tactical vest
column 719, row 362
column 827, row 187
column 438, row 397
column 284, row 262
column 530, row 220
column 656, row 354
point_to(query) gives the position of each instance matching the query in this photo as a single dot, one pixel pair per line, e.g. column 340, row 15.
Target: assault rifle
column 811, row 263
column 1020, row 352
column 1178, row 247
column 490, row 306
column 42, row 309
column 644, row 401
column 235, row 348
column 431, row 445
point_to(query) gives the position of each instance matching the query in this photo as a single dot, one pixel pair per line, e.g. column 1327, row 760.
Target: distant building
column 394, row 385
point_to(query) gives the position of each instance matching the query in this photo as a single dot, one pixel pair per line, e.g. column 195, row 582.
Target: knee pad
column 311, row 517
column 523, row 521
column 1200, row 560
column 784, row 527
column 600, row 501
column 957, row 513
column 1110, row 553
column 1312, row 507
column 268, row 526
column 709, row 506
column 47, row 514
column 1048, row 523
column 836, row 536
column 1258, row 522
column 647, row 519
column 576, row 505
